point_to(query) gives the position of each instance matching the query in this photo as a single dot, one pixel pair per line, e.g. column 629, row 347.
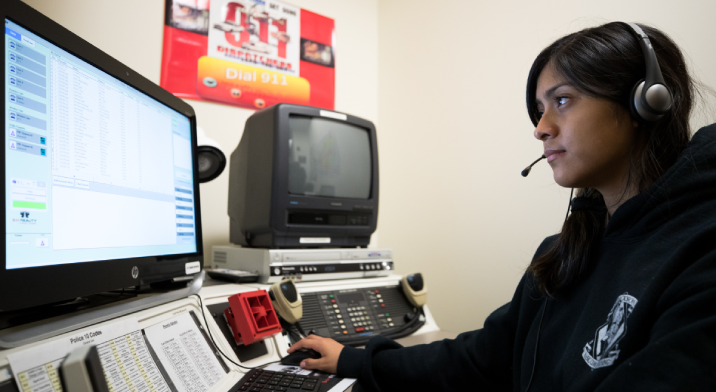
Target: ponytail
column 567, row 261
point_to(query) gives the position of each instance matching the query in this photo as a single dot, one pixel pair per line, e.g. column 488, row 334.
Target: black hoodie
column 644, row 319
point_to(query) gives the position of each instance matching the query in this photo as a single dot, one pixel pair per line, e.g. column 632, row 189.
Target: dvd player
column 272, row 265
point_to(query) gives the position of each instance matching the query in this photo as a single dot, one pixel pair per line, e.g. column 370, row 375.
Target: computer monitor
column 100, row 185
column 304, row 177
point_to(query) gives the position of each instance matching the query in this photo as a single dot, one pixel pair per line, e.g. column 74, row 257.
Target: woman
column 623, row 298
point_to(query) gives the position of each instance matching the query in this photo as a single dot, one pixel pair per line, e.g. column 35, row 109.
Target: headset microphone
column 528, row 168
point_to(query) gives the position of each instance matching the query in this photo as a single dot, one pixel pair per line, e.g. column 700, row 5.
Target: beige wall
column 444, row 83
column 454, row 135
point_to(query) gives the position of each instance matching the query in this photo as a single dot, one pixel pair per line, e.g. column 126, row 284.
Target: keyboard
column 258, row 380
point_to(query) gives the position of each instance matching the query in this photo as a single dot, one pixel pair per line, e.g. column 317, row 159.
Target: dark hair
column 606, row 62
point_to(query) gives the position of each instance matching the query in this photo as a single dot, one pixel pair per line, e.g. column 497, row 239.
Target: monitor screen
column 94, row 169
column 328, row 158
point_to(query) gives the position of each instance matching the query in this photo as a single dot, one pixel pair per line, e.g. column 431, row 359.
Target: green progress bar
column 29, row 204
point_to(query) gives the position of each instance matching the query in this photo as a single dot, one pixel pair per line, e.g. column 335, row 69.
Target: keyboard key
column 308, row 387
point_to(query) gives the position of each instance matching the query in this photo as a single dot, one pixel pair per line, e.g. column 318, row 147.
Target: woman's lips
column 553, row 154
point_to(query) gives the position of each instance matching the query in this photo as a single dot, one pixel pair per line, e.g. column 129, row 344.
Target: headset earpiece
column 651, row 106
column 650, row 99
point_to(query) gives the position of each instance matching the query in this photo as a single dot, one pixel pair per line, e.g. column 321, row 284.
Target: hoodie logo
column 603, row 350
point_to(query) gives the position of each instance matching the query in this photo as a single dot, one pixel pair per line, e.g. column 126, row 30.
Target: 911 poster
column 248, row 53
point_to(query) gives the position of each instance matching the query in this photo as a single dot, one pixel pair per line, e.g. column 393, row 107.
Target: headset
column 649, row 101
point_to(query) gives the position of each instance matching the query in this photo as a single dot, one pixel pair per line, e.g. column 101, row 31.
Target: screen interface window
column 328, row 158
column 94, row 169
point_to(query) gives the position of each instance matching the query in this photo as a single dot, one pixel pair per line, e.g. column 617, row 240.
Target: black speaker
column 211, row 159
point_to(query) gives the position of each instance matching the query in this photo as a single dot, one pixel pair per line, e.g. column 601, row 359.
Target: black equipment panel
column 353, row 316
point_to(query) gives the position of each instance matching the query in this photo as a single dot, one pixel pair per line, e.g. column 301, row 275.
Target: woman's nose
column 545, row 128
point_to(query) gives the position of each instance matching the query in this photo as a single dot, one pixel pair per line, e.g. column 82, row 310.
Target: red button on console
column 360, row 329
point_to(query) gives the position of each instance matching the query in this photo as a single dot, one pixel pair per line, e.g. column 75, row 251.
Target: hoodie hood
column 689, row 185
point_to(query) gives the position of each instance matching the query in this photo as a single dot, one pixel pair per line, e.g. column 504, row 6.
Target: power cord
column 201, row 306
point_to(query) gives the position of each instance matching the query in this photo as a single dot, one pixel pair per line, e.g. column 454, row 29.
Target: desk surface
column 425, row 338
column 214, row 292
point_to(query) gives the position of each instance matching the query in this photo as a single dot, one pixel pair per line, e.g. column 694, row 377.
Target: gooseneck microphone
column 528, row 168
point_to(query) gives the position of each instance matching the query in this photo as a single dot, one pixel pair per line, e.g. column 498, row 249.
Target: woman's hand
column 329, row 349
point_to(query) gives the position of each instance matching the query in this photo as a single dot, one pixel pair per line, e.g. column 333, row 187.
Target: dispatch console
column 102, row 200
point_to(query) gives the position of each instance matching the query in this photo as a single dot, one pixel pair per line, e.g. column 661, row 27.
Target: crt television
column 304, row 177
column 99, row 170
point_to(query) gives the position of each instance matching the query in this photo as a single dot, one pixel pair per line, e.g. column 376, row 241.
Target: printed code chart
column 129, row 367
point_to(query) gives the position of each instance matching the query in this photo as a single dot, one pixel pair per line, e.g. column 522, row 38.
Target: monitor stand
column 34, row 332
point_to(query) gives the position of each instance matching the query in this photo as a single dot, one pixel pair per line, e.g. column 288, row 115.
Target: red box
column 251, row 316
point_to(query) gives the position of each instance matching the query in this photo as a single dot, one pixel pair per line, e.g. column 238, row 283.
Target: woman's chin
column 565, row 181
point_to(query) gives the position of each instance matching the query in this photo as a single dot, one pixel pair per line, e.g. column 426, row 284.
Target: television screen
column 328, row 158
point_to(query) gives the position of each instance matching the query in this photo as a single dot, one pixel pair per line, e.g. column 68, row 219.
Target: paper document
column 36, row 369
column 129, row 367
column 328, row 382
column 187, row 357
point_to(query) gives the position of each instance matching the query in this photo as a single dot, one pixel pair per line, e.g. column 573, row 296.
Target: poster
column 248, row 53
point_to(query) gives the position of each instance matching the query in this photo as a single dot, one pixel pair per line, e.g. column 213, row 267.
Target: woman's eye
column 561, row 100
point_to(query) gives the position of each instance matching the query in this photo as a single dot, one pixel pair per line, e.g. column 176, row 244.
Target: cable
column 534, row 361
column 201, row 306
column 539, row 327
column 569, row 206
column 300, row 330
